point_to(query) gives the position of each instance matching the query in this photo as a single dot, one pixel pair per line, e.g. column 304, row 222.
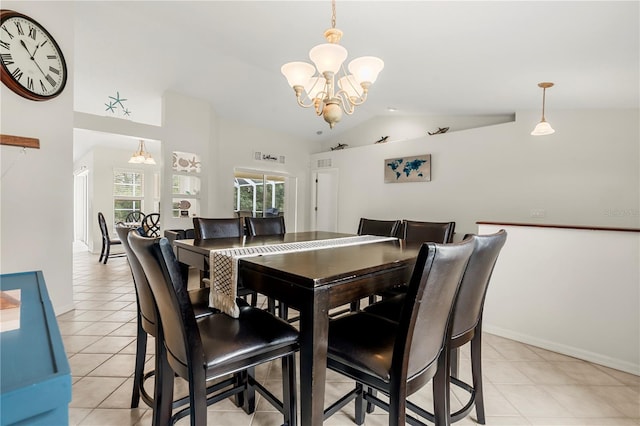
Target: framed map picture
column 408, row 169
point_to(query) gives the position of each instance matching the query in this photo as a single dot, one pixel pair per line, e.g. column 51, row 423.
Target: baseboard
column 596, row 358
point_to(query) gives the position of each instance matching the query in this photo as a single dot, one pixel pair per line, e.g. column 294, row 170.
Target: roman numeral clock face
column 32, row 62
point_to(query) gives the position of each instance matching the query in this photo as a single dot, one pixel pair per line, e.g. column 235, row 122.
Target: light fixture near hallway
column 543, row 128
column 141, row 156
column 320, row 89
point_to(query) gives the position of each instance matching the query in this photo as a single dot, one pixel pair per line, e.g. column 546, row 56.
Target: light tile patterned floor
column 524, row 385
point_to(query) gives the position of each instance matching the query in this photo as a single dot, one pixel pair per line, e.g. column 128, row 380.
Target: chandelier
column 141, row 156
column 320, row 88
column 543, row 128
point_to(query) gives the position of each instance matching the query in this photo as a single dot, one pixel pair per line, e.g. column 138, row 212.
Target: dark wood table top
column 319, row 267
column 206, row 245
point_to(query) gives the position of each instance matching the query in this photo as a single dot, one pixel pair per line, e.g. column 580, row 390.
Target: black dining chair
column 467, row 319
column 107, row 241
column 399, row 358
column 207, row 228
column 147, row 321
column 383, row 228
column 135, row 216
column 420, row 232
column 151, row 225
column 264, row 226
column 427, row 232
column 217, row 228
column 211, row 347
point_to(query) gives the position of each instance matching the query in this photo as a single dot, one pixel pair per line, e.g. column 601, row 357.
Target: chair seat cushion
column 227, row 340
column 389, row 308
column 364, row 342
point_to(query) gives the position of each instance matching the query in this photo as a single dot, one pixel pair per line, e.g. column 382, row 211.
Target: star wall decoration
column 116, row 107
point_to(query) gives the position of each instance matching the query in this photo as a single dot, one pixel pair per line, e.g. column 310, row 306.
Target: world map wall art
column 408, row 169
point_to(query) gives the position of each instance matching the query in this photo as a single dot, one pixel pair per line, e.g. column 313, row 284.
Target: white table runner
column 223, row 265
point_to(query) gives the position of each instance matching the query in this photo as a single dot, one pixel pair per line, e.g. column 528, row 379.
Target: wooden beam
column 20, row 141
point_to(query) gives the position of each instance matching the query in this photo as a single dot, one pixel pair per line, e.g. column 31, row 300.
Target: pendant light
column 543, row 128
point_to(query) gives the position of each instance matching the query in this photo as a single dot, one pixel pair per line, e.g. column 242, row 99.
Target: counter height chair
column 147, row 319
column 217, row 228
column 383, row 228
column 262, row 226
column 420, row 232
column 211, row 347
column 107, row 241
column 467, row 318
column 399, row 358
column 427, row 232
column 151, row 225
column 206, row 228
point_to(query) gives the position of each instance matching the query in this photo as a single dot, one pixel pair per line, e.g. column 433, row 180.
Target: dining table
column 313, row 282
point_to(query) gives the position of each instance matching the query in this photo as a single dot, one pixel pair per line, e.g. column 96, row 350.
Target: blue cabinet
column 35, row 379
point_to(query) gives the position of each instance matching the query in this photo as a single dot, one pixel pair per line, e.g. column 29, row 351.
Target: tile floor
column 524, row 385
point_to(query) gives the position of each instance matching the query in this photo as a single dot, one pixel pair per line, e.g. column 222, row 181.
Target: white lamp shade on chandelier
column 141, row 156
column 543, row 128
column 316, row 86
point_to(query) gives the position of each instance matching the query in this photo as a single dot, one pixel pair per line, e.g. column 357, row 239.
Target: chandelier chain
column 333, row 13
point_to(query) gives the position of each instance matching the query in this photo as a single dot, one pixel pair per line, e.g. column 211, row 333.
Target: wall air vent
column 325, row 162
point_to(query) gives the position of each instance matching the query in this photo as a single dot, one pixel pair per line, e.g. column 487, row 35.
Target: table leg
column 314, row 330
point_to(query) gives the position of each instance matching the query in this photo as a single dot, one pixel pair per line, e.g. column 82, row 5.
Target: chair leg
column 138, row 375
column 240, row 380
column 441, row 390
column 271, row 305
column 106, row 254
column 249, row 396
column 163, row 393
column 360, row 405
column 476, row 371
column 289, row 400
column 455, row 362
column 198, row 400
column 101, row 252
column 254, row 299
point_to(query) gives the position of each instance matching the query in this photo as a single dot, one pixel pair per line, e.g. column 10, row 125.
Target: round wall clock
column 32, row 63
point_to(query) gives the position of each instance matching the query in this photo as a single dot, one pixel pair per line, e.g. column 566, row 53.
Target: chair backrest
column 258, row 226
column 146, row 304
column 179, row 329
column 428, row 232
column 135, row 216
column 217, row 228
column 475, row 282
column 151, row 225
column 383, row 228
column 425, row 323
column 103, row 226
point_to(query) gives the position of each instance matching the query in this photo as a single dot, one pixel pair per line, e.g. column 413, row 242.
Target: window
column 128, row 190
column 259, row 195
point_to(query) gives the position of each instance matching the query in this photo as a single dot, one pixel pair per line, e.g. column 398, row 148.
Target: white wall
column 587, row 173
column 36, row 212
column 101, row 163
column 236, row 145
column 571, row 291
column 407, row 127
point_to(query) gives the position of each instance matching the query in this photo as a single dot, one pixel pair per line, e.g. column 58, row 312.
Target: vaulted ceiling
column 449, row 57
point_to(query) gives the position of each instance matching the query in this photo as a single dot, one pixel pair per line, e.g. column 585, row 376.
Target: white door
column 325, row 201
column 81, row 206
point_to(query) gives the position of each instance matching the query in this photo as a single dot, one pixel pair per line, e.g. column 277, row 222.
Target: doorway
column 324, row 198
